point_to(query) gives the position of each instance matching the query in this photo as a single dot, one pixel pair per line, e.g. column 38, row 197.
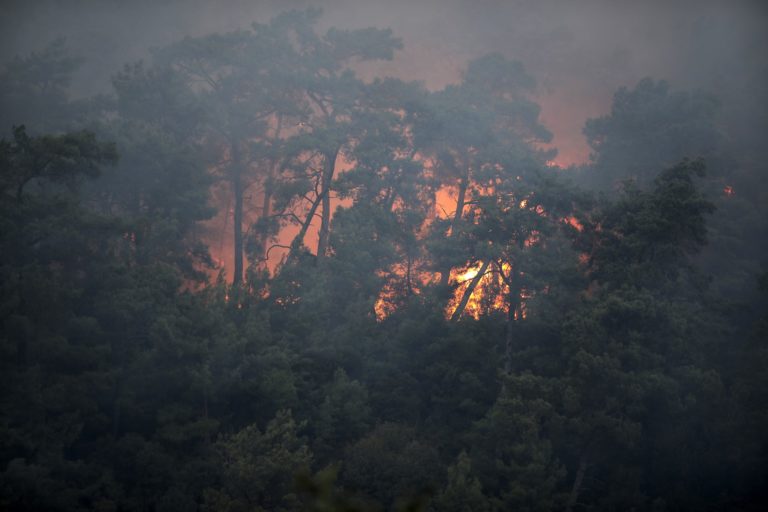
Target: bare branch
column 273, row 246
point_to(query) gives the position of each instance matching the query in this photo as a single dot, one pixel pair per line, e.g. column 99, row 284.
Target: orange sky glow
column 563, row 112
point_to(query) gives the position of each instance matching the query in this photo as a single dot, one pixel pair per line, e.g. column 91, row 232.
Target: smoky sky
column 580, row 52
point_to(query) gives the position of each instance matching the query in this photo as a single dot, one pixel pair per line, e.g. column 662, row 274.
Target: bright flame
column 396, row 288
column 533, row 239
column 468, row 274
column 574, row 223
column 489, row 294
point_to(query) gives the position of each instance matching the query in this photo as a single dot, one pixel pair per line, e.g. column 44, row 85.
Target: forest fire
column 480, row 293
column 574, row 223
column 255, row 259
column 473, row 294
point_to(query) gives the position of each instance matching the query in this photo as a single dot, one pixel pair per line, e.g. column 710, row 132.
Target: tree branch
column 468, row 292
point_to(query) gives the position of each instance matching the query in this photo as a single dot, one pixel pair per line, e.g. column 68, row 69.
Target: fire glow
column 488, row 295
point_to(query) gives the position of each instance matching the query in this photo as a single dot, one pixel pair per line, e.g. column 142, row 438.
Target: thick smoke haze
column 358, row 255
column 579, row 52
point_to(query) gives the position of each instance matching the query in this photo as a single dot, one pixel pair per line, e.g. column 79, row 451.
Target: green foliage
column 50, row 160
column 34, row 89
column 646, row 237
column 614, row 380
column 390, row 462
column 649, row 128
column 516, row 460
column 344, row 413
column 463, row 492
column 257, row 468
column 160, row 190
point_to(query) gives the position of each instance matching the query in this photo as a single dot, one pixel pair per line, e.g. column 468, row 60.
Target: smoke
column 580, row 52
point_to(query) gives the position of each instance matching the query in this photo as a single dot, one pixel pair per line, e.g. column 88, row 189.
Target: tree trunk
column 116, row 409
column 408, row 286
column 468, row 292
column 205, row 416
column 460, row 201
column 263, row 233
column 325, row 224
column 514, row 308
column 298, row 240
column 22, row 336
column 237, row 191
column 274, row 169
column 115, row 359
column 574, row 495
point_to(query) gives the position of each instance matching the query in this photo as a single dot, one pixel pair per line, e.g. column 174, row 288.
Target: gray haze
column 580, row 52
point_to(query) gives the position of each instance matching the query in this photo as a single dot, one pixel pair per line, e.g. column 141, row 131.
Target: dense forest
column 250, row 278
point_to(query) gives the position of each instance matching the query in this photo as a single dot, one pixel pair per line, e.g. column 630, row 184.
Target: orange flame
column 574, row 222
column 398, row 287
column 489, row 294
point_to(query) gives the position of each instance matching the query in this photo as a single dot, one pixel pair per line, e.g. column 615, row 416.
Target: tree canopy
column 453, row 323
